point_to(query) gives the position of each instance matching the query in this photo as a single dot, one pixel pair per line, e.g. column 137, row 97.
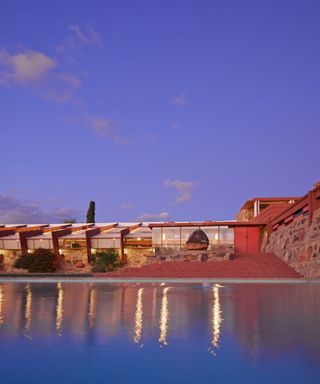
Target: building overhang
column 250, row 203
column 230, row 223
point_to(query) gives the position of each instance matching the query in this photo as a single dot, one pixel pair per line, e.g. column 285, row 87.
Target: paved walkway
column 254, row 266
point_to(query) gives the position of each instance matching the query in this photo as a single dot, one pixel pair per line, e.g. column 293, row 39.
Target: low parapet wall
column 298, row 243
column 218, row 252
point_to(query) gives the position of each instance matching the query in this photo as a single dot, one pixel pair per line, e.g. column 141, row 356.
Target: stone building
column 288, row 227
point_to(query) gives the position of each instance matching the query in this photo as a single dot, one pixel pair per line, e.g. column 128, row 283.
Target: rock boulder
column 198, row 240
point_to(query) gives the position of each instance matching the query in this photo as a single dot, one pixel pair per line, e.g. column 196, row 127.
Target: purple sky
column 176, row 110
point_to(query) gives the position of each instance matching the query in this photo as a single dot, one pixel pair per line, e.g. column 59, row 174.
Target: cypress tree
column 91, row 212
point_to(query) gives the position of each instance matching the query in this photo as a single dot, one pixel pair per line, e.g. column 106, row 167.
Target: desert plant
column 91, row 212
column 104, row 261
column 41, row 260
column 23, row 261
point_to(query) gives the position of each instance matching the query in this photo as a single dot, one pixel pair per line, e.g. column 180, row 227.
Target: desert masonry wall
column 298, row 243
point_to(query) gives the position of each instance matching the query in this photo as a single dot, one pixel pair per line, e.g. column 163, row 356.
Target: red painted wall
column 246, row 239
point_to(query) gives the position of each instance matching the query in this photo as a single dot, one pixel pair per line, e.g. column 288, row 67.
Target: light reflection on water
column 28, row 311
column 242, row 324
column 59, row 308
column 164, row 317
column 138, row 317
column 92, row 306
column 1, row 305
column 216, row 318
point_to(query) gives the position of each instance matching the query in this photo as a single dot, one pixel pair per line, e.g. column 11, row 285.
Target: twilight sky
column 159, row 109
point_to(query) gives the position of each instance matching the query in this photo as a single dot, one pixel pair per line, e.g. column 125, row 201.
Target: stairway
column 260, row 265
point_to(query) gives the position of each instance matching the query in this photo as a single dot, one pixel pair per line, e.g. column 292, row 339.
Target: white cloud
column 89, row 36
column 181, row 99
column 42, row 73
column 184, row 189
column 37, row 71
column 16, row 211
column 107, row 128
column 26, row 67
column 162, row 216
column 77, row 39
column 61, row 87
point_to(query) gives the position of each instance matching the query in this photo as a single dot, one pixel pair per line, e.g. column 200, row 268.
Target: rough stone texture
column 9, row 257
column 79, row 264
column 299, row 245
column 245, row 215
column 137, row 257
column 72, row 257
column 198, row 240
column 218, row 252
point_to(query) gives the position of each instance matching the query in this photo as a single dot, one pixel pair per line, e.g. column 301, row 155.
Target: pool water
column 159, row 333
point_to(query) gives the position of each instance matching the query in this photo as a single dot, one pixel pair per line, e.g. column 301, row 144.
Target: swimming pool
column 159, row 333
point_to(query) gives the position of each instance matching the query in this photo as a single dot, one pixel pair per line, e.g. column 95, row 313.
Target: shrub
column 23, row 261
column 105, row 261
column 1, row 260
column 98, row 266
column 41, row 260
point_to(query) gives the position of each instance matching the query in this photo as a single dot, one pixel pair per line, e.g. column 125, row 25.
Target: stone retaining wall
column 298, row 243
column 219, row 252
column 8, row 258
column 137, row 257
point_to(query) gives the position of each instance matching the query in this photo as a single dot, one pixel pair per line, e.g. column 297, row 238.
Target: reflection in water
column 89, row 328
column 138, row 318
column 1, row 305
column 257, row 318
column 28, row 311
column 164, row 317
column 154, row 304
column 92, row 306
column 216, row 316
column 59, row 309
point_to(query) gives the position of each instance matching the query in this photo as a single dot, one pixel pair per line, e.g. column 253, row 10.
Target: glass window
column 171, row 236
column 212, row 233
column 223, row 234
column 105, row 243
column 230, row 236
column 39, row 243
column 226, row 235
column 156, row 236
column 72, row 243
column 186, row 232
column 11, row 244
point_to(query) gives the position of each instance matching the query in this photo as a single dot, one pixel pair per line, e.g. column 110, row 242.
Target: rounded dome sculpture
column 197, row 241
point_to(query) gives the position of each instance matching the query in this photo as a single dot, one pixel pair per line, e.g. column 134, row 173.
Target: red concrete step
column 261, row 265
